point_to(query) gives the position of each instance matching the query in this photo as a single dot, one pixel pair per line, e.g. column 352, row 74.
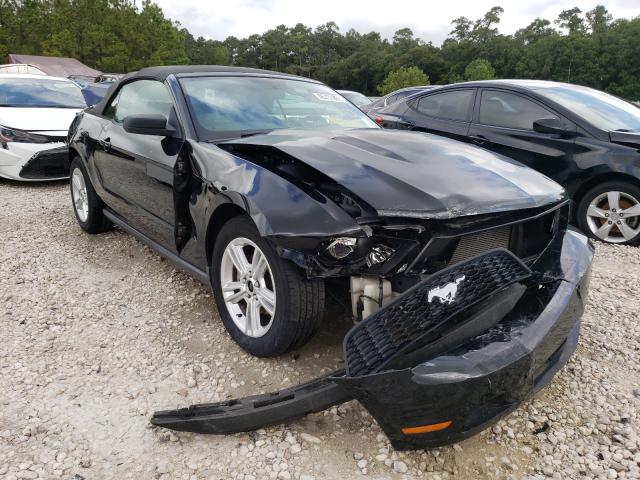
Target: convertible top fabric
column 56, row 66
column 161, row 73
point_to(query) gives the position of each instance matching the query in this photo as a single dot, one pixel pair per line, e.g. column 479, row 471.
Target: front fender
column 278, row 207
column 82, row 142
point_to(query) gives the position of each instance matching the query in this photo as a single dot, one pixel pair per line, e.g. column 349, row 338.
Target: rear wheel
column 86, row 204
column 265, row 303
column 611, row 212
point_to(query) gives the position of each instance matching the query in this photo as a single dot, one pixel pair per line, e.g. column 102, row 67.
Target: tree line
column 589, row 48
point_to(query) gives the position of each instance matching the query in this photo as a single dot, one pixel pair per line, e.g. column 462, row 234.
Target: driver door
column 503, row 123
column 137, row 170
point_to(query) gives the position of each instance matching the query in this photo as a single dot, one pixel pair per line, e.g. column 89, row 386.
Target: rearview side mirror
column 553, row 126
column 148, row 124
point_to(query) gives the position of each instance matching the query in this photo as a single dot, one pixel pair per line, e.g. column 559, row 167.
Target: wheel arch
column 79, row 150
column 221, row 215
column 73, row 152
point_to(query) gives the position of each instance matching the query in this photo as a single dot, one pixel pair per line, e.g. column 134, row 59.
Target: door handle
column 478, row 139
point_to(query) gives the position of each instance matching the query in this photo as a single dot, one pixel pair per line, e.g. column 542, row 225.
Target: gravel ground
column 98, row 332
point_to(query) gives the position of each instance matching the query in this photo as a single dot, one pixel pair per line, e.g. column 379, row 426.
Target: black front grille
column 56, row 138
column 422, row 309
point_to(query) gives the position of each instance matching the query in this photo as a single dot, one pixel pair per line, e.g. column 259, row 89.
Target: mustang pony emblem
column 446, row 293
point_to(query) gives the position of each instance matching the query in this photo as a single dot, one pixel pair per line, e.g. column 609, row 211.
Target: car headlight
column 363, row 249
column 20, row 136
column 341, row 247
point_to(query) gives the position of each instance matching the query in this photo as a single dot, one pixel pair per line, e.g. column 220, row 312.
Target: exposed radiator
column 477, row 243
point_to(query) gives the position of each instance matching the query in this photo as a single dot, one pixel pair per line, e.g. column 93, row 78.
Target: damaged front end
column 450, row 354
column 392, row 255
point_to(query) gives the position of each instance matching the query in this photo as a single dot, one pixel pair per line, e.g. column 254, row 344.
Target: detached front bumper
column 440, row 363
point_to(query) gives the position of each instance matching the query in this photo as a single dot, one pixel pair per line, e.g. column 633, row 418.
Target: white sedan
column 35, row 114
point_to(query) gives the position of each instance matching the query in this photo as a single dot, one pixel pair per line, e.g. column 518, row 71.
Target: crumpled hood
column 38, row 119
column 415, row 174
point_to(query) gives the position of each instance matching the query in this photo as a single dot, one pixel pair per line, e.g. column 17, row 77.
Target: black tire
column 95, row 222
column 299, row 301
column 627, row 190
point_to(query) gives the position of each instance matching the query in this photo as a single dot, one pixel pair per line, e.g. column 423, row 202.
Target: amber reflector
column 434, row 427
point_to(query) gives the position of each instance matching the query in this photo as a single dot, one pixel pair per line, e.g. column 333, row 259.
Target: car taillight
column 379, row 120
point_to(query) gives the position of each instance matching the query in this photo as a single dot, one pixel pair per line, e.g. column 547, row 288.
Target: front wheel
column 86, row 204
column 265, row 303
column 611, row 212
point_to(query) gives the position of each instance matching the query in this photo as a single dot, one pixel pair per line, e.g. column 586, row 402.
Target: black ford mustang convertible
column 466, row 283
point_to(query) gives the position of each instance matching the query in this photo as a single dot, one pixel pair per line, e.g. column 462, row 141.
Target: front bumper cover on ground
column 443, row 360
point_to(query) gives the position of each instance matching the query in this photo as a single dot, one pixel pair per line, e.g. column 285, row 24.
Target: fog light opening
column 379, row 254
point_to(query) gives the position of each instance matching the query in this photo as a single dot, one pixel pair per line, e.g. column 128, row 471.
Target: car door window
column 451, row 105
column 140, row 97
column 502, row 109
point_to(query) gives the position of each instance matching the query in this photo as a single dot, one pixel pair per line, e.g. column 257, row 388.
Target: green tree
column 479, row 69
column 300, row 45
column 589, row 48
column 461, row 28
column 274, row 48
column 205, row 52
column 426, row 57
column 484, row 28
column 403, row 77
column 598, row 19
column 571, row 20
column 403, row 40
column 325, row 44
column 535, row 31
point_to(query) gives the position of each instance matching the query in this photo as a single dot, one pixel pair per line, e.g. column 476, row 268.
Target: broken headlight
column 342, row 247
column 378, row 253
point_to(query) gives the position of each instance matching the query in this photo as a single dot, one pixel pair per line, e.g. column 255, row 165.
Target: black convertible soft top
column 161, row 74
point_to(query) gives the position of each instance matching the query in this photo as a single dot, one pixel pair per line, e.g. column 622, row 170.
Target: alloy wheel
column 79, row 193
column 248, row 287
column 614, row 217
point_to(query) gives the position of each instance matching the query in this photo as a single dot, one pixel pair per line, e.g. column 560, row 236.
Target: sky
column 430, row 21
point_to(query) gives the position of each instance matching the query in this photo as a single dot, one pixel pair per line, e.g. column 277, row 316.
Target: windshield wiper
column 257, row 132
column 239, row 135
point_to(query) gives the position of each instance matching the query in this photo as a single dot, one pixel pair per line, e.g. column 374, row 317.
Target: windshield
column 40, row 92
column 224, row 107
column 357, row 98
column 600, row 109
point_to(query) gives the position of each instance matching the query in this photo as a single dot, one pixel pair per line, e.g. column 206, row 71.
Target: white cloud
column 429, row 20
